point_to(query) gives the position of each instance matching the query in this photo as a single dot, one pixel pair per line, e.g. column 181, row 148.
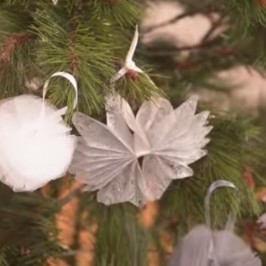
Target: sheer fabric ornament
column 206, row 247
column 228, row 248
column 135, row 158
column 35, row 143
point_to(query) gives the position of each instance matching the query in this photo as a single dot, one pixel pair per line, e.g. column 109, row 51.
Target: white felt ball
column 35, row 143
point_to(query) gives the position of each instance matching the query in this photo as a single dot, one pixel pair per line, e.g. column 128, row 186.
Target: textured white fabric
column 202, row 247
column 35, row 143
column 35, row 146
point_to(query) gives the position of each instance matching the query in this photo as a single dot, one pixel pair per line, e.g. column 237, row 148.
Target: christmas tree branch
column 215, row 26
column 12, row 43
column 74, row 193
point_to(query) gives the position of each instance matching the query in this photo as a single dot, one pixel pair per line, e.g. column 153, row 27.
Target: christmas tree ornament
column 35, row 143
column 204, row 246
column 127, row 160
column 229, row 249
column 135, row 158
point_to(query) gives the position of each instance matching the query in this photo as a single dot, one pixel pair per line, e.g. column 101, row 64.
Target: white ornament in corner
column 229, row 249
column 205, row 246
column 135, row 158
column 35, row 143
column 129, row 64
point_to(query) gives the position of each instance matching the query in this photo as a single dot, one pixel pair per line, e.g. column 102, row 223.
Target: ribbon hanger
column 207, row 202
column 231, row 217
column 129, row 64
column 72, row 80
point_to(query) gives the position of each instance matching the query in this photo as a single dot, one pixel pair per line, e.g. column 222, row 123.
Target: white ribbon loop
column 132, row 48
column 71, row 79
column 129, row 64
column 231, row 218
column 207, row 201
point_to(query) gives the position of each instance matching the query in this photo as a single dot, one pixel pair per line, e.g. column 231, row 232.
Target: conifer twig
column 184, row 48
column 74, row 193
column 74, row 61
column 214, row 27
column 12, row 43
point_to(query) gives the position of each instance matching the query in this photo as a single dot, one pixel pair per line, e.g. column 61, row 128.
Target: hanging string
column 207, row 201
column 207, row 204
column 72, row 80
column 129, row 64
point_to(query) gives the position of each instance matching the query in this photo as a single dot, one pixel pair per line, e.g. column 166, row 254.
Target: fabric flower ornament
column 135, row 158
column 35, row 143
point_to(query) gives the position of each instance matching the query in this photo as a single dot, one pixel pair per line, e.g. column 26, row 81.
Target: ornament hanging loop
column 73, row 82
column 207, row 202
column 129, row 64
column 212, row 259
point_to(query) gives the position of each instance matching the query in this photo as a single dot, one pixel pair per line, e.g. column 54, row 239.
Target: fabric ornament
column 206, row 247
column 35, row 143
column 229, row 249
column 135, row 158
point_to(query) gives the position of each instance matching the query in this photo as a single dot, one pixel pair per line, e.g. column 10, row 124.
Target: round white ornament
column 35, row 143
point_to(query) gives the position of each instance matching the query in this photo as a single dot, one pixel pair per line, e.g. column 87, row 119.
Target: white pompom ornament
column 35, row 143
